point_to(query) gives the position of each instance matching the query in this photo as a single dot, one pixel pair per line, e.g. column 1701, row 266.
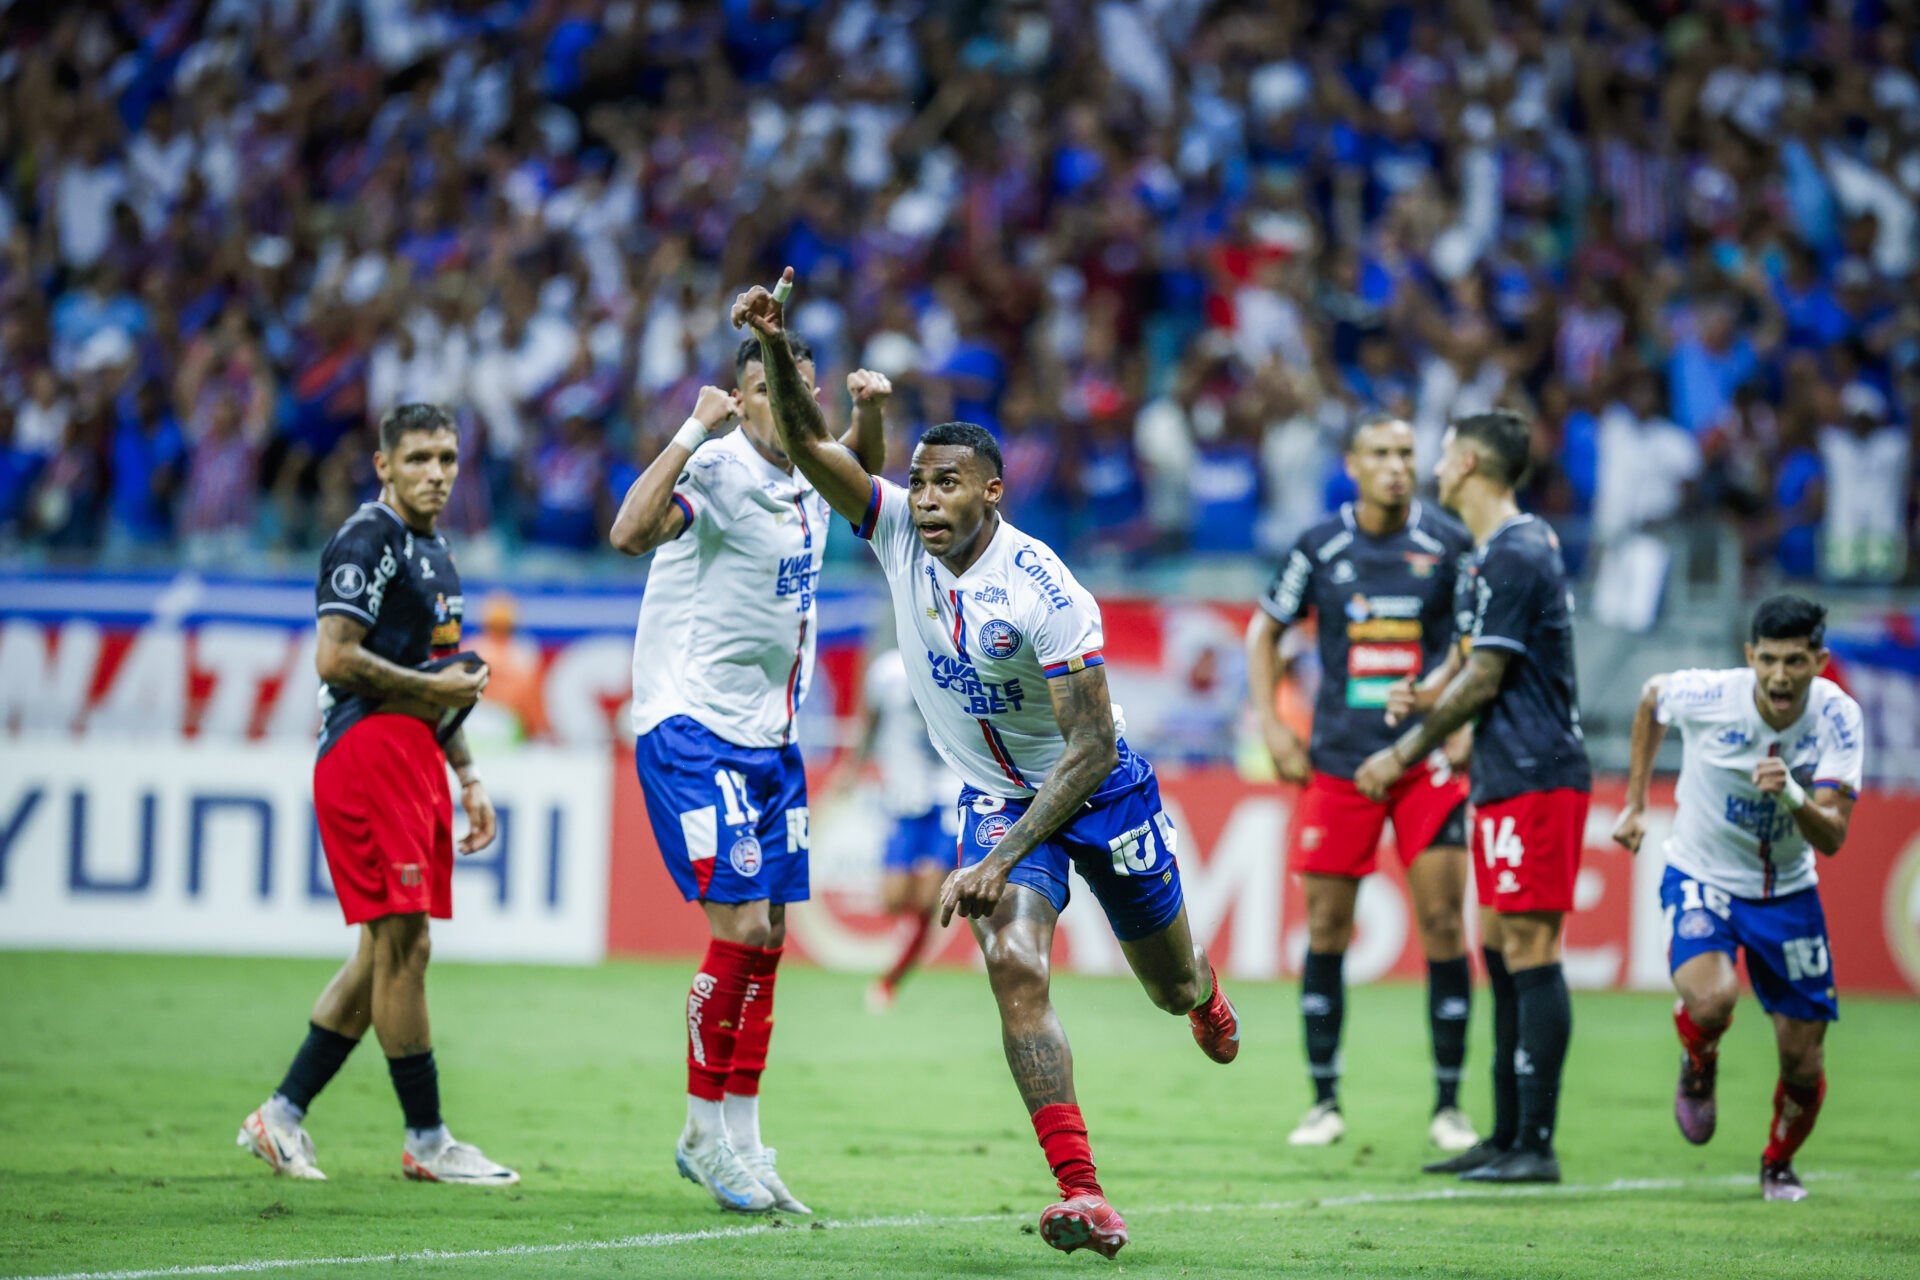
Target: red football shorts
column 1336, row 830
column 1526, row 850
column 386, row 820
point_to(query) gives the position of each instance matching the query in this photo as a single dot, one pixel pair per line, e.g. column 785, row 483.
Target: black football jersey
column 1386, row 610
column 1514, row 596
column 402, row 585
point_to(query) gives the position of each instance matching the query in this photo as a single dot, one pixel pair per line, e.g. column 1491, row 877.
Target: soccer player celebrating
column 1007, row 670
column 1380, row 574
column 1513, row 677
column 389, row 603
column 1771, row 768
column 917, row 790
column 722, row 660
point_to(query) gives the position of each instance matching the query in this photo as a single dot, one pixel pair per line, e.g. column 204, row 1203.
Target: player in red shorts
column 1513, row 678
column 389, row 605
column 1379, row 575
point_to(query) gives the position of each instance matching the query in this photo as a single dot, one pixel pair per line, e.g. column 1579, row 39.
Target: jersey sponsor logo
column 1288, row 591
column 446, row 624
column 1395, row 606
column 349, row 580
column 992, row 830
column 1760, row 816
column 796, row 578
column 1359, row 609
column 984, row 697
column 745, row 856
column 1027, row 560
column 999, row 638
column 1734, row 738
column 382, row 575
column 1694, row 925
column 1384, row 629
column 1845, row 728
column 992, row 595
column 1373, row 669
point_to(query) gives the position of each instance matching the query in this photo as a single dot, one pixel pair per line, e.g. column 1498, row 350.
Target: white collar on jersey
column 1003, row 537
column 1413, row 517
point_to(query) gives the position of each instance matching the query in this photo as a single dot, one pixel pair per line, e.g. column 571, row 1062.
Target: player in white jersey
column 917, row 793
column 1003, row 653
column 722, row 660
column 1771, row 769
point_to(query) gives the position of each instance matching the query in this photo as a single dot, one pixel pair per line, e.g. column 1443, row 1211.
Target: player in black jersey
column 389, row 605
column 1380, row 576
column 1514, row 677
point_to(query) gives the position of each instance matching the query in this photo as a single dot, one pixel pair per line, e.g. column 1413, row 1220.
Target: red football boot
column 1085, row 1222
column 1216, row 1027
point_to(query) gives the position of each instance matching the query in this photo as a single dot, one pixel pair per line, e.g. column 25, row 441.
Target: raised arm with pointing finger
column 836, row 472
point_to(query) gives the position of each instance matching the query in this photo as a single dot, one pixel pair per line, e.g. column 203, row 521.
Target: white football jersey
column 726, row 634
column 914, row 780
column 978, row 649
column 1727, row 834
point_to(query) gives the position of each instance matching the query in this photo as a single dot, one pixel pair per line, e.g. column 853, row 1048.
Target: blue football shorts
column 731, row 821
column 1785, row 940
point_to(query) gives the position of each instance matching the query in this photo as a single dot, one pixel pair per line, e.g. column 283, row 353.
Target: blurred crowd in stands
column 1167, row 249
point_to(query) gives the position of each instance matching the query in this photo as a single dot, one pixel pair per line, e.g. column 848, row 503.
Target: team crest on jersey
column 1420, row 564
column 992, row 830
column 1694, row 925
column 349, row 580
column 999, row 638
column 745, row 856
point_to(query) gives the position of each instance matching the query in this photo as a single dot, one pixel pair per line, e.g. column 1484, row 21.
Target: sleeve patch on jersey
column 681, row 502
column 1072, row 665
column 349, row 580
column 864, row 529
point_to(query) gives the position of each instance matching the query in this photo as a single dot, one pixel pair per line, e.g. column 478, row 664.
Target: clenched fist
column 759, row 310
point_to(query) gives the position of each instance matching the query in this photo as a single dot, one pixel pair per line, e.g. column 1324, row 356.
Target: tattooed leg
column 1017, row 940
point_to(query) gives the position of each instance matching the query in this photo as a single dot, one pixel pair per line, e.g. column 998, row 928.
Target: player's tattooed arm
column 1648, row 734
column 648, row 515
column 1465, row 695
column 345, row 663
column 832, row 467
column 1084, row 713
column 1406, row 698
column 474, row 799
column 1823, row 814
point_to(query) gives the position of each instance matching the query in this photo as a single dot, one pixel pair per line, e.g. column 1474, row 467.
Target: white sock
column 705, row 1120
column 421, row 1141
column 285, row 1110
column 743, row 1123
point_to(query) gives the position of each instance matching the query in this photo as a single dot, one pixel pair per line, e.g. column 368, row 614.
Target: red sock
column 1700, row 1046
column 756, row 1024
column 922, row 926
column 1795, row 1108
column 713, row 1016
column 1063, row 1137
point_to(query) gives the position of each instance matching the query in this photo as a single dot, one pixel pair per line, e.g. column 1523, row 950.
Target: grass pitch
column 123, row 1080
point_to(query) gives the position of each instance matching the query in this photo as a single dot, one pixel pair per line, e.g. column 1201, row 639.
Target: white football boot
column 1322, row 1126
column 276, row 1137
column 761, row 1167
column 460, row 1163
column 1451, row 1130
column 713, row 1165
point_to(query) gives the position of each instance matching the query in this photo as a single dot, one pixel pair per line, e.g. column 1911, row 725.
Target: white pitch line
column 662, row 1239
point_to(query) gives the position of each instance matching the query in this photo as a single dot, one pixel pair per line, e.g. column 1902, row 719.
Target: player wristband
column 1793, row 795
column 692, row 434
